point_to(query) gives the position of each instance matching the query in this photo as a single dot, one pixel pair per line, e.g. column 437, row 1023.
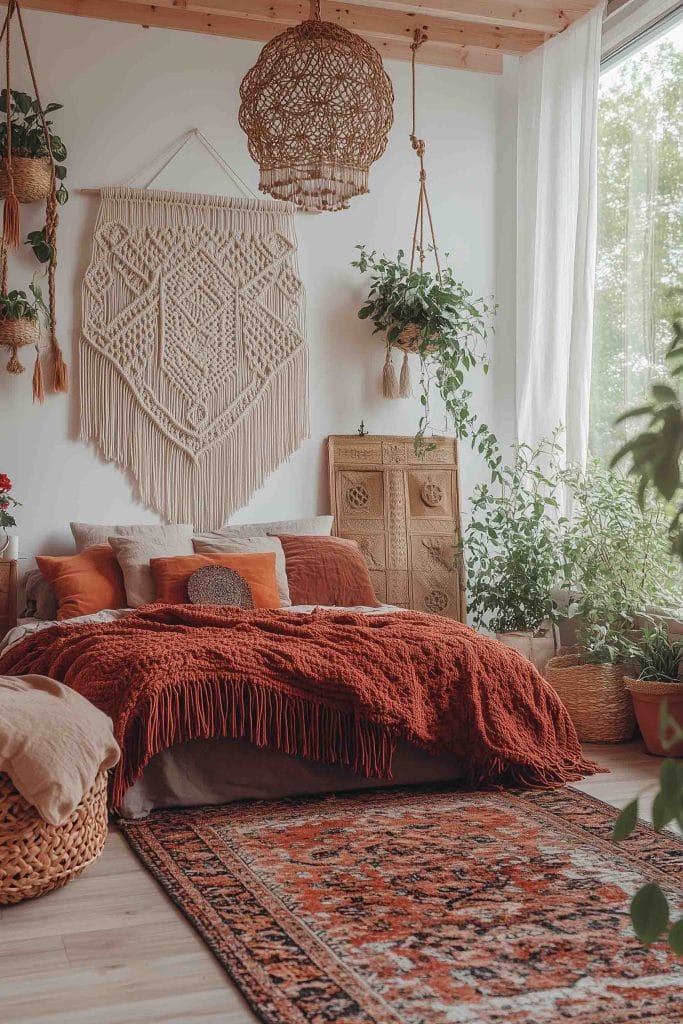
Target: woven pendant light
column 317, row 108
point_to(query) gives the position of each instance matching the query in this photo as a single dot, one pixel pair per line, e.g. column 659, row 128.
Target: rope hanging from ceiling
column 32, row 188
column 316, row 108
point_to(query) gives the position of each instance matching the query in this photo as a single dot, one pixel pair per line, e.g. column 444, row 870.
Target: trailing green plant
column 621, row 561
column 453, row 329
column 16, row 305
column 514, row 543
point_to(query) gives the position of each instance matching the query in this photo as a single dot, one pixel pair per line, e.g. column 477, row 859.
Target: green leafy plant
column 657, row 656
column 650, row 911
column 621, row 562
column 17, row 305
column 453, row 329
column 656, row 453
column 514, row 542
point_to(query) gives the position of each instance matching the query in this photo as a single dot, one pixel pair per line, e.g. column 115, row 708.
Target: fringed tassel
column 10, row 217
column 405, row 387
column 14, row 366
column 389, row 380
column 38, row 386
column 60, row 378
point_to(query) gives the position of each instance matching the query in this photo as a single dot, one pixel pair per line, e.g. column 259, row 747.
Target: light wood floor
column 110, row 948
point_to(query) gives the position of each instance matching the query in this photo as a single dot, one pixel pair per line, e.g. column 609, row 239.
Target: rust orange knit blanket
column 338, row 687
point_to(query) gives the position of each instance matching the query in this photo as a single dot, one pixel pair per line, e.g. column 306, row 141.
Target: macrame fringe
column 60, row 371
column 14, row 366
column 389, row 379
column 405, row 386
column 10, row 220
column 38, row 386
column 264, row 716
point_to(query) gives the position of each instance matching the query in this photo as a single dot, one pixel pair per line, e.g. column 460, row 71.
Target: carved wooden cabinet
column 8, row 596
column 404, row 512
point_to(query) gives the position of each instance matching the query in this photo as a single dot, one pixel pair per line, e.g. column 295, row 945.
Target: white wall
column 128, row 92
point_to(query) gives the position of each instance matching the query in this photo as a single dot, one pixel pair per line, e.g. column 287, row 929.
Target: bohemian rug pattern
column 193, row 359
column 416, row 906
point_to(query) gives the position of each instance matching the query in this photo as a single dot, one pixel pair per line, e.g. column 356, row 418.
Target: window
column 639, row 276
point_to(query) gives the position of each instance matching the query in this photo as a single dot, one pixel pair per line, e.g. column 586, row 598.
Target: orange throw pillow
column 327, row 570
column 170, row 575
column 85, row 583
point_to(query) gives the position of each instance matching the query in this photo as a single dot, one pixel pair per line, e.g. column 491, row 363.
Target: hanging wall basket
column 25, row 179
column 317, row 108
column 32, row 178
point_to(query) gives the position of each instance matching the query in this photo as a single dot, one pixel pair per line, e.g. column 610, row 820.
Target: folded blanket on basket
column 333, row 686
column 53, row 743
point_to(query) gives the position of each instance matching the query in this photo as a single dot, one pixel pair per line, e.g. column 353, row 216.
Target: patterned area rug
column 423, row 907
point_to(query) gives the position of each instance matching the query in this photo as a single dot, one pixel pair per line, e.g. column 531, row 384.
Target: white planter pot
column 9, row 547
column 537, row 649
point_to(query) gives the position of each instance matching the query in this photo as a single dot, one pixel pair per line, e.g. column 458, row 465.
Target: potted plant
column 434, row 316
column 7, row 520
column 31, row 169
column 659, row 660
column 515, row 553
column 621, row 567
column 19, row 321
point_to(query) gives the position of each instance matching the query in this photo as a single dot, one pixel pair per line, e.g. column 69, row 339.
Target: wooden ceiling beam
column 452, row 55
column 372, row 23
column 540, row 15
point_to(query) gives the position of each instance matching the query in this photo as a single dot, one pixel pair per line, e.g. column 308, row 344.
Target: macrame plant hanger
column 10, row 220
column 409, row 338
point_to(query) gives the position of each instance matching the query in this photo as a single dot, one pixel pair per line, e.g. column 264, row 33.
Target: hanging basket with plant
column 20, row 317
column 432, row 315
column 31, row 165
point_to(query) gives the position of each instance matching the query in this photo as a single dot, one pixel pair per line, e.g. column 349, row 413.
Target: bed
column 451, row 705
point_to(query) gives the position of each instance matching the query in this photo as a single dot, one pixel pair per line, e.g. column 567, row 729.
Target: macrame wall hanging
column 424, row 241
column 317, row 108
column 26, row 179
column 194, row 369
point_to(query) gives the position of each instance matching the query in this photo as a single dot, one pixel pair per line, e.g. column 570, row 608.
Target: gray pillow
column 40, row 599
column 315, row 526
column 88, row 534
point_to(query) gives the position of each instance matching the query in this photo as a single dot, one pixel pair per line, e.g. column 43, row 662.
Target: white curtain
column 556, row 231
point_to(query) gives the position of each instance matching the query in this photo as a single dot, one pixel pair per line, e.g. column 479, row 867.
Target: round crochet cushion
column 216, row 584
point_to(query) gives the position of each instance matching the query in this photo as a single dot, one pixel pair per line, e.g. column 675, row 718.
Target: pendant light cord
column 419, row 145
column 315, row 10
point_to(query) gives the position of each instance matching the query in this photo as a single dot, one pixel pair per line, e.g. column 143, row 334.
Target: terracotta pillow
column 327, row 570
column 85, row 583
column 170, row 576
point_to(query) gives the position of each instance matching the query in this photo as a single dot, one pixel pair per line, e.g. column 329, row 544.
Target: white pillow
column 316, row 526
column 88, row 534
column 134, row 554
column 256, row 545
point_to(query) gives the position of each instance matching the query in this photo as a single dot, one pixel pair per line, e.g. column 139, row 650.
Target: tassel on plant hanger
column 38, row 386
column 60, row 378
column 405, row 387
column 389, row 380
column 14, row 366
column 10, row 215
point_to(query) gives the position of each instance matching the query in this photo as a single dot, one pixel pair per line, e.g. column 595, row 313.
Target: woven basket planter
column 32, row 178
column 36, row 857
column 596, row 698
column 17, row 333
column 536, row 649
column 409, row 340
column 648, row 697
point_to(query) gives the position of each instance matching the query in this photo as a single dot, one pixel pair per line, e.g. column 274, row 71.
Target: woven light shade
column 317, row 108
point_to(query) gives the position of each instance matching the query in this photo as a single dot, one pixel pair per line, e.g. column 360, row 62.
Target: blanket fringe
column 264, row 716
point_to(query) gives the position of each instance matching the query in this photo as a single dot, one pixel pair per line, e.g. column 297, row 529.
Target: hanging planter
column 31, row 165
column 20, row 327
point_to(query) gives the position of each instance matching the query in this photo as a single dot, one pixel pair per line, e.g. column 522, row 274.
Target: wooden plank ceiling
column 469, row 34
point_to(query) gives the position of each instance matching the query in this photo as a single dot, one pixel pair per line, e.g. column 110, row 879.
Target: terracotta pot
column 32, row 178
column 537, row 649
column 648, row 697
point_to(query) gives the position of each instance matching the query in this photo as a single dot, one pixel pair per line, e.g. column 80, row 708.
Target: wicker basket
column 409, row 340
column 596, row 698
column 36, row 857
column 17, row 333
column 32, row 178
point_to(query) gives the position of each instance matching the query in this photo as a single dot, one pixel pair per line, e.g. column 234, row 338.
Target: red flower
column 5, row 482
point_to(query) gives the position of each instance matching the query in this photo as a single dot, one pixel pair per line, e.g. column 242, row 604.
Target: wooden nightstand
column 8, row 596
